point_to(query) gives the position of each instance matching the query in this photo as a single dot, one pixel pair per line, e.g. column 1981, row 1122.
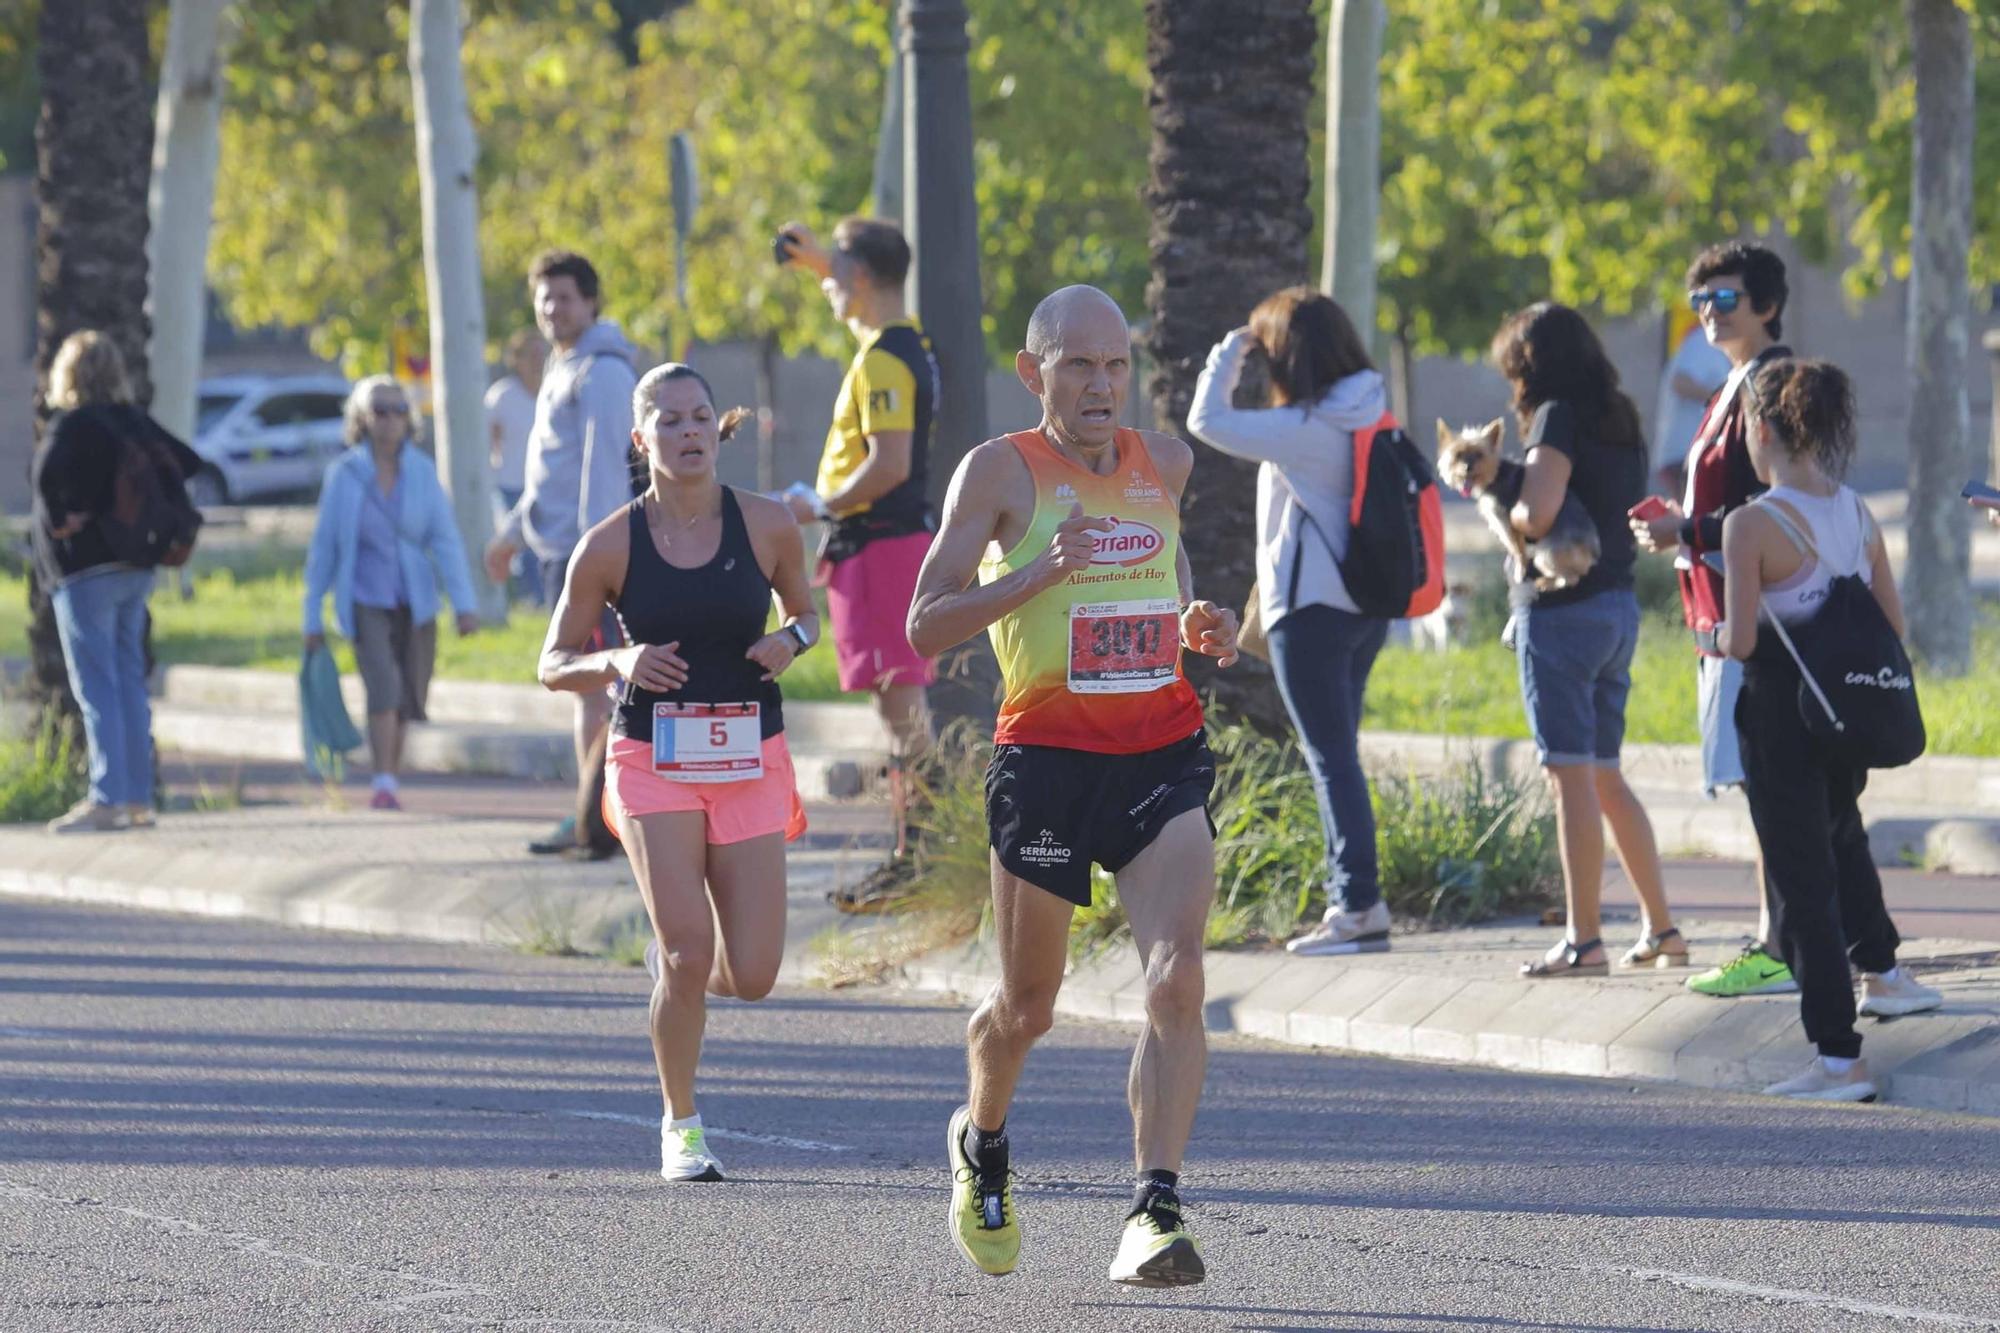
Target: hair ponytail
column 1809, row 406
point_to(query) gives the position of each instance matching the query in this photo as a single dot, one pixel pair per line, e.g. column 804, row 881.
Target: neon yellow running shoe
column 983, row 1225
column 1153, row 1253
column 1752, row 972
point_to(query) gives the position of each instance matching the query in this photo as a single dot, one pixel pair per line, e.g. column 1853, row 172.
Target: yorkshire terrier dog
column 1469, row 460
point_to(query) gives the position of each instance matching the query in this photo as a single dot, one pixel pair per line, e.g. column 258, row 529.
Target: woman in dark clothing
column 97, row 588
column 1582, row 438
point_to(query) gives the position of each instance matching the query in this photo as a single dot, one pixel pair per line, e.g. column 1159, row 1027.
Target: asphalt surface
column 210, row 1125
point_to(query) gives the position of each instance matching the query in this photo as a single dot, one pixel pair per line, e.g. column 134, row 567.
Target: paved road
column 207, row 1125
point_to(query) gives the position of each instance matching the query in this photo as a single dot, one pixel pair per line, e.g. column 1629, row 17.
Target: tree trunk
column 1353, row 156
column 1937, row 582
column 186, row 148
column 1230, row 224
column 93, row 155
column 447, row 156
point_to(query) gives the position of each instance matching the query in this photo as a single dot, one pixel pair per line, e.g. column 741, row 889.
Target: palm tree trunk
column 1232, row 80
column 1938, row 582
column 93, row 160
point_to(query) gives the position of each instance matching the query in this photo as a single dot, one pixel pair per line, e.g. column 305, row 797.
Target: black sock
column 986, row 1149
column 1156, row 1188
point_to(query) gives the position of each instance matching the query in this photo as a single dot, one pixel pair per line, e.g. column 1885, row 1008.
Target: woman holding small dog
column 1575, row 638
column 1322, row 389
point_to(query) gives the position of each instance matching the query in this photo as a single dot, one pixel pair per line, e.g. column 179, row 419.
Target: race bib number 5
column 708, row 742
column 1124, row 647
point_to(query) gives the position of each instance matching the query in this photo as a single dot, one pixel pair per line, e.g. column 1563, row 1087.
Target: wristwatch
column 798, row 636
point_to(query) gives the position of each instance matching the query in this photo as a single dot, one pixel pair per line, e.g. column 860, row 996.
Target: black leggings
column 1826, row 897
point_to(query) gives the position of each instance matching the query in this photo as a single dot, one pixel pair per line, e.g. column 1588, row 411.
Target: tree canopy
column 1580, row 149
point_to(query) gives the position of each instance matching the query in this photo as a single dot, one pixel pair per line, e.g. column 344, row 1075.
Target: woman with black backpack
column 1790, row 556
column 97, row 561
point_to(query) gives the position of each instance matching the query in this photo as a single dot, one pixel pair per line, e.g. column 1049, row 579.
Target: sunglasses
column 1724, row 299
column 390, row 410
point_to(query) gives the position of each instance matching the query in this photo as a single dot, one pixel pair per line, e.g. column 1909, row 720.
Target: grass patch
column 39, row 778
column 1463, row 849
column 252, row 619
column 628, row 943
column 548, row 926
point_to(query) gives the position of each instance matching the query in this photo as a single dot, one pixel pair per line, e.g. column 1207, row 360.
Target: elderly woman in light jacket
column 384, row 538
column 1322, row 390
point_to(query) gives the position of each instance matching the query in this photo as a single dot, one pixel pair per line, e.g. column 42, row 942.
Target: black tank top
column 715, row 612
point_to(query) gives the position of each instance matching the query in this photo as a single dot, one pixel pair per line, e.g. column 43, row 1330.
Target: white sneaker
column 1883, row 998
column 86, row 816
column 1346, row 932
column 684, row 1155
column 1821, row 1084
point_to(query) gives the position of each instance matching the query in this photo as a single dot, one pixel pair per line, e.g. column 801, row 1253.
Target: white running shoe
column 653, row 958
column 1884, row 998
column 684, row 1155
column 1821, row 1084
column 1339, row 932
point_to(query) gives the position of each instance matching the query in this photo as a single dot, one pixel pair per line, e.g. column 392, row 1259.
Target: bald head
column 1078, row 361
column 1080, row 308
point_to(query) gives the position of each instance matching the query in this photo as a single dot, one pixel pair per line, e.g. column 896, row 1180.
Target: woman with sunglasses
column 1738, row 291
column 384, row 537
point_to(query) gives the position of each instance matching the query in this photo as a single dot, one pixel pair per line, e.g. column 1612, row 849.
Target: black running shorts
column 1050, row 812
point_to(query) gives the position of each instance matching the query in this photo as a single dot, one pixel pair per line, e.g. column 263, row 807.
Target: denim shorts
column 1576, row 669
column 1718, row 681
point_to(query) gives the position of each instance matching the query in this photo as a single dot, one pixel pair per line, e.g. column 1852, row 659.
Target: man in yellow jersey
column 872, row 483
column 1099, row 755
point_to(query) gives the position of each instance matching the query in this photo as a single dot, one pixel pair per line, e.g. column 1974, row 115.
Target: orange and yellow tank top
column 1095, row 662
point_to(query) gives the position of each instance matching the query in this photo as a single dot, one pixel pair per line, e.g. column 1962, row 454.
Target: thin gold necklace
column 668, row 533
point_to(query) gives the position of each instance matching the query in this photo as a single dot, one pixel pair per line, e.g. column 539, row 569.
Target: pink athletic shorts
column 869, row 596
column 735, row 810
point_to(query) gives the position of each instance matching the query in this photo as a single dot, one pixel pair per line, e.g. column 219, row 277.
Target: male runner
column 1099, row 755
column 872, row 492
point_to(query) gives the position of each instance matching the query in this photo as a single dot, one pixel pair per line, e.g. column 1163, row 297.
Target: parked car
column 265, row 436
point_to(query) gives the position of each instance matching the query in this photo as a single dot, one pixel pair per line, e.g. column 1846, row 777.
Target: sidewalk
column 1454, row 996
column 1942, row 811
column 1450, row 995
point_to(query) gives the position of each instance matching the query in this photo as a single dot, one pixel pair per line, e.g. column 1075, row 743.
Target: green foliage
column 20, row 86
column 253, row 620
column 39, row 778
column 317, row 216
column 1585, row 149
column 1466, row 848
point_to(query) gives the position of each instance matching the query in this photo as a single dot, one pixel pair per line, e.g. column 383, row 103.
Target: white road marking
column 429, row 1289
column 1791, row 1296
column 746, row 1136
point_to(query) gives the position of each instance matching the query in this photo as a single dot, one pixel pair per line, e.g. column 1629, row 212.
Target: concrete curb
column 419, row 877
column 1942, row 812
column 475, row 727
column 1638, row 1026
column 1448, row 996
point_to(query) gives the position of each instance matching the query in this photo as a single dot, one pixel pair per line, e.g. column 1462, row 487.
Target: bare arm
column 595, row 576
column 1206, row 628
column 948, row 608
column 773, row 529
column 886, row 467
column 1542, row 492
column 1742, row 581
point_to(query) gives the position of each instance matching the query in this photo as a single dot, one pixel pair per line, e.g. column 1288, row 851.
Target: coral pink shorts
column 868, row 595
column 735, row 810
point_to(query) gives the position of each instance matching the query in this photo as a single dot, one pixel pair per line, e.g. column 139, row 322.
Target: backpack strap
column 1791, row 522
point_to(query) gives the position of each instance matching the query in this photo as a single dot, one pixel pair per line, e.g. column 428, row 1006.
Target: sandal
column 1566, row 960
column 1649, row 953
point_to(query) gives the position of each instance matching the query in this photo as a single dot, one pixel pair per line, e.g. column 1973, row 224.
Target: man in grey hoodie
column 579, row 473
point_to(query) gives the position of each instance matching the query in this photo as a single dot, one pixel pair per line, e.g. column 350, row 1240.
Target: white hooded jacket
column 1307, row 453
